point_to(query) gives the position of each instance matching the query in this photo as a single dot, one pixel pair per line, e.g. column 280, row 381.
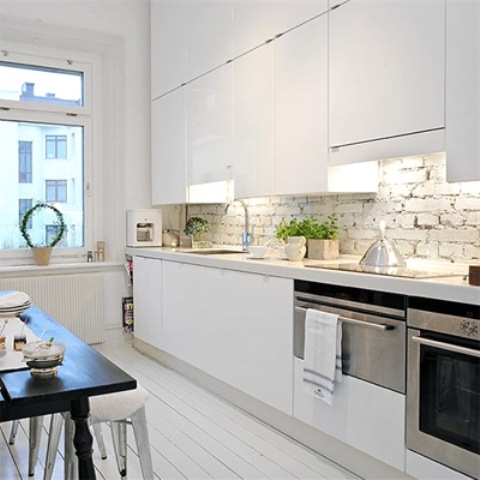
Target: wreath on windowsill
column 30, row 212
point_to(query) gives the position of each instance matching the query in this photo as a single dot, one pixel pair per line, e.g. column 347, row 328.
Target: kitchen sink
column 218, row 251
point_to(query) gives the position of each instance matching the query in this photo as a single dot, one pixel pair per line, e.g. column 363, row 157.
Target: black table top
column 84, row 373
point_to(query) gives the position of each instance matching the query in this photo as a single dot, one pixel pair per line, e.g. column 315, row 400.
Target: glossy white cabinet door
column 254, row 155
column 363, row 415
column 463, row 90
column 422, row 468
column 257, row 21
column 301, row 115
column 169, row 149
column 147, row 295
column 210, row 126
column 168, row 45
column 209, row 35
column 387, row 70
column 232, row 325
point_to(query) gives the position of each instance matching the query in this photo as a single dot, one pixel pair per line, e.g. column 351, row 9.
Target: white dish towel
column 322, row 368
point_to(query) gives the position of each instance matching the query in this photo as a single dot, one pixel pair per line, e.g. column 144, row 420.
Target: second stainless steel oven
column 373, row 326
column 443, row 394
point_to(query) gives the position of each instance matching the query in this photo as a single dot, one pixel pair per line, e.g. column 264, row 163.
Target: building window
column 24, row 204
column 45, row 113
column 56, row 191
column 51, row 232
column 56, row 146
column 24, row 162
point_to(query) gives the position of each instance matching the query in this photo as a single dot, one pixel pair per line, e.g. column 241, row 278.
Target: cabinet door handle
column 446, row 346
column 358, row 323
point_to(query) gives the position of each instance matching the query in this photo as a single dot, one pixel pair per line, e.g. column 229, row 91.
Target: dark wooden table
column 84, row 373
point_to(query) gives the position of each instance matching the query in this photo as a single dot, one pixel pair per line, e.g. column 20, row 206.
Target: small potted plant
column 194, row 228
column 42, row 252
column 322, row 237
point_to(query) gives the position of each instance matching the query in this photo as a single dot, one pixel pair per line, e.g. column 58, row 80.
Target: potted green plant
column 194, row 228
column 322, row 237
column 42, row 252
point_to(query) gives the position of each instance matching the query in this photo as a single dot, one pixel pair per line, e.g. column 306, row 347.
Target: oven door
column 443, row 400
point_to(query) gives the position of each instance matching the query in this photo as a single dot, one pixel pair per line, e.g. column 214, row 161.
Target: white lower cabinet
column 365, row 416
column 147, row 288
column 234, row 326
column 423, row 468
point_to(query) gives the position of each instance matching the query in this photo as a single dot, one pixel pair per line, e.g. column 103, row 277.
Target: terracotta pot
column 42, row 255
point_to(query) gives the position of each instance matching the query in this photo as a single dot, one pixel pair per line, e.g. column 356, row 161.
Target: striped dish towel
column 322, row 368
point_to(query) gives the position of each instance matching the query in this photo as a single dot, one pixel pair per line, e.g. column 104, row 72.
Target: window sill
column 58, row 269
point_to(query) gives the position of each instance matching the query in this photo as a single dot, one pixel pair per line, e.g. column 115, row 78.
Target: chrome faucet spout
column 245, row 234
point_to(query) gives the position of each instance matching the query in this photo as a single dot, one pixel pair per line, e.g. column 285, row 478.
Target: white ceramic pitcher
column 296, row 249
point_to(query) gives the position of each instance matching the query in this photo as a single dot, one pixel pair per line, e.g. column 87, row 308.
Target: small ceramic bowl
column 43, row 358
column 257, row 251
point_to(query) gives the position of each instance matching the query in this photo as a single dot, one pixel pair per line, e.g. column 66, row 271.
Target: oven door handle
column 446, row 346
column 359, row 323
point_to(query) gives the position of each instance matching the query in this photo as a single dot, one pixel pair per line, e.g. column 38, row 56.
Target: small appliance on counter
column 382, row 252
column 144, row 228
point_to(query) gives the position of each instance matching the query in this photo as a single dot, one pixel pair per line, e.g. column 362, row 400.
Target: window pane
column 27, row 83
column 24, row 162
column 24, row 204
column 60, row 182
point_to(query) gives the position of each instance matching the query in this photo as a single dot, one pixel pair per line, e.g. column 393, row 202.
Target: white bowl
column 257, row 251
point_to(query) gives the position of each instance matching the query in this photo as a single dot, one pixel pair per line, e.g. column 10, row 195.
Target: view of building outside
column 40, row 162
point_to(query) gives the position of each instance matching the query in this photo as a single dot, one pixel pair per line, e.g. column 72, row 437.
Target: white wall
column 117, row 33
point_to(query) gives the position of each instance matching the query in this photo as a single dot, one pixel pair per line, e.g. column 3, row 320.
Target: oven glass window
column 449, row 397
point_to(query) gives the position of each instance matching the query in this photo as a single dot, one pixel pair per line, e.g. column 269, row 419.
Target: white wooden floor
column 193, row 435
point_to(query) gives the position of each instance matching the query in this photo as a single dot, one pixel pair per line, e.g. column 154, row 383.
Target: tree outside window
column 24, row 162
column 55, row 146
column 56, row 191
column 24, row 204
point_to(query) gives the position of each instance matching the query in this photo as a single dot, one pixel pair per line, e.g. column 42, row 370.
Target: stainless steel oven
column 443, row 390
column 373, row 330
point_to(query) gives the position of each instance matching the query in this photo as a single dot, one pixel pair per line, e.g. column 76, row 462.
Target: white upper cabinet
column 169, row 149
column 301, row 114
column 209, row 35
column 387, row 71
column 188, row 39
column 254, row 155
column 168, row 45
column 210, row 127
column 257, row 21
column 463, row 90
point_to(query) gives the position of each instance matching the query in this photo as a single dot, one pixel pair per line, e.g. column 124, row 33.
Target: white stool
column 115, row 408
column 34, row 435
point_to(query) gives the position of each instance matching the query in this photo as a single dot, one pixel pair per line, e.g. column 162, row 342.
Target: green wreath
column 29, row 213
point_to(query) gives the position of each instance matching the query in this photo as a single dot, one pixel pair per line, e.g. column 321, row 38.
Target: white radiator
column 76, row 301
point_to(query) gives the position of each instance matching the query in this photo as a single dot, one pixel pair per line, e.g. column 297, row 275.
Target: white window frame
column 62, row 115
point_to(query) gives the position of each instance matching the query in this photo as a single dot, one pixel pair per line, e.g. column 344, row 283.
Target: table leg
column 83, row 440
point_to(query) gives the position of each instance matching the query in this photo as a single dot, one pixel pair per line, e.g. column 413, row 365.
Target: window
column 51, row 232
column 56, row 191
column 56, row 146
column 24, row 162
column 44, row 114
column 24, row 204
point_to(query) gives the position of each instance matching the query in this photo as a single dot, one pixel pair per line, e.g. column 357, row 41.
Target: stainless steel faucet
column 245, row 234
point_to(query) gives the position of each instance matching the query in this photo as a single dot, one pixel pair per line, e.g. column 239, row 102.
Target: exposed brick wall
column 426, row 216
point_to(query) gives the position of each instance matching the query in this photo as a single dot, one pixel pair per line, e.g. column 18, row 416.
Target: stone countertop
column 455, row 289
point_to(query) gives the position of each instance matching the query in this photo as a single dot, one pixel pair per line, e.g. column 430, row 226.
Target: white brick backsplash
column 427, row 220
column 426, row 216
column 467, row 203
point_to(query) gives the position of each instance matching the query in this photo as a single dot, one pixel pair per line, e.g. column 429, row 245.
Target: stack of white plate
column 13, row 303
